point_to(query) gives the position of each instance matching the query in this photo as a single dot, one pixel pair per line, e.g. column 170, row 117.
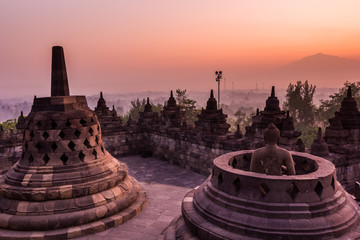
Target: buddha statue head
column 271, row 134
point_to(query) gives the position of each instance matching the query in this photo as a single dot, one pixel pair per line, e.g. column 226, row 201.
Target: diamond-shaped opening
column 87, row 143
column 54, row 146
column 293, row 191
column 234, row 163
column 26, row 146
column 53, row 124
column 102, row 149
column 81, row 156
column 237, row 184
column 95, row 154
column 319, row 188
column 38, row 146
column 333, row 182
column 45, row 135
column 97, row 140
column 77, row 133
column 91, row 131
column 31, row 158
column 64, row 158
column 32, row 135
column 305, row 165
column 220, row 178
column 98, row 127
column 61, row 134
column 264, row 189
column 68, row 123
column 46, row 159
column 71, row 145
column 83, row 122
column 38, row 124
column 91, row 120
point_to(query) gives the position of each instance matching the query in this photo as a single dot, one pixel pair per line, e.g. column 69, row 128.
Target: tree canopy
column 188, row 105
column 138, row 106
column 299, row 101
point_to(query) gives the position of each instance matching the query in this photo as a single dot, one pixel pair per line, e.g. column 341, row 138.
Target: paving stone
column 159, row 211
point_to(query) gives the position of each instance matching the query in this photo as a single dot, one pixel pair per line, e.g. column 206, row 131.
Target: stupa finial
column 59, row 80
column 273, row 91
column 319, row 134
column 349, row 94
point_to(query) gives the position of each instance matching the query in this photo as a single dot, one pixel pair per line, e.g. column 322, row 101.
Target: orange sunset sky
column 129, row 46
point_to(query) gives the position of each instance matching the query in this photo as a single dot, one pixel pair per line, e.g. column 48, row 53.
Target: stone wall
column 10, row 152
column 193, row 156
column 124, row 143
column 347, row 170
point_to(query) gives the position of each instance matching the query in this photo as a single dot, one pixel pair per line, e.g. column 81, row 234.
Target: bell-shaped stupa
column 66, row 184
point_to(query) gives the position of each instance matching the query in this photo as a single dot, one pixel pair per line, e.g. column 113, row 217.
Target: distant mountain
column 320, row 69
column 322, row 63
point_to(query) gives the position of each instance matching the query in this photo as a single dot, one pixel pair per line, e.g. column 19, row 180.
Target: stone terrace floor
column 165, row 186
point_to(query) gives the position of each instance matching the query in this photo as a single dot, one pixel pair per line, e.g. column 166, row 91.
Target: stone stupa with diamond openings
column 110, row 121
column 281, row 119
column 66, row 184
column 344, row 126
column 172, row 115
column 212, row 120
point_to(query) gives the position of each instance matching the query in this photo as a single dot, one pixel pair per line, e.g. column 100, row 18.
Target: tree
column 9, row 124
column 308, row 133
column 243, row 117
column 138, row 106
column 299, row 101
column 328, row 107
column 188, row 105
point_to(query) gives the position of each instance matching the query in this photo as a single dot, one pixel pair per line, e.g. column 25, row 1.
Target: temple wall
column 9, row 153
column 196, row 157
column 347, row 170
column 194, row 152
column 124, row 143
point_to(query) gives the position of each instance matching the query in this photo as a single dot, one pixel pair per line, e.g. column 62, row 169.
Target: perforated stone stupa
column 343, row 134
column 172, row 116
column 281, row 119
column 109, row 119
column 66, row 184
column 212, row 120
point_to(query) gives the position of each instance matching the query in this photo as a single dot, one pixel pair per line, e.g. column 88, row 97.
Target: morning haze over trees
column 240, row 106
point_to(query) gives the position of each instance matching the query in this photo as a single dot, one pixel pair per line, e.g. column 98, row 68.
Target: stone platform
column 165, row 186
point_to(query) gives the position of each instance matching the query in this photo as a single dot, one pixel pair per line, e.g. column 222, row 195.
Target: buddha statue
column 271, row 159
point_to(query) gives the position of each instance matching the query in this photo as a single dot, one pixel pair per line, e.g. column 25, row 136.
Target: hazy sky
column 122, row 46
